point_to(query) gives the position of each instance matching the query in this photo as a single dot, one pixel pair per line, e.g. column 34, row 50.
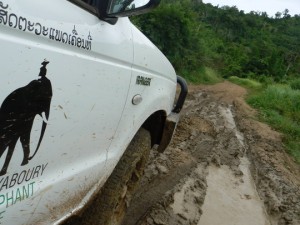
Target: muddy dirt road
column 223, row 167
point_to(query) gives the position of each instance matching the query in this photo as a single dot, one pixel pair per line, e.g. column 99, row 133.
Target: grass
column 279, row 105
column 295, row 84
column 247, row 83
column 204, row 75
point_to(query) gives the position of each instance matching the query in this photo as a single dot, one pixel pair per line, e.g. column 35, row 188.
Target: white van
column 84, row 96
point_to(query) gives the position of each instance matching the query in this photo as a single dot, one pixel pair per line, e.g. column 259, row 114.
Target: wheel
column 110, row 206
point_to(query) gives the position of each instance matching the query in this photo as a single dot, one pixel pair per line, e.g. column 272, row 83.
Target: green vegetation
column 246, row 82
column 204, row 75
column 253, row 45
column 255, row 50
column 279, row 105
column 295, row 84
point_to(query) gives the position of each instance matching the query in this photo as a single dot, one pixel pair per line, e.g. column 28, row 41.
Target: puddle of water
column 229, row 201
column 230, row 123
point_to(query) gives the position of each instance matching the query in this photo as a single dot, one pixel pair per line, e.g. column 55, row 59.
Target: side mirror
column 122, row 8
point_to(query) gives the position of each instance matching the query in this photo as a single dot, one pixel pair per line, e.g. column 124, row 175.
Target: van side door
column 64, row 69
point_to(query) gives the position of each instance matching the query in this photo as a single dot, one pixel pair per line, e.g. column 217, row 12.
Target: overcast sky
column 269, row 6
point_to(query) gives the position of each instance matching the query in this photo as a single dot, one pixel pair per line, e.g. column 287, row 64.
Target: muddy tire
column 110, row 206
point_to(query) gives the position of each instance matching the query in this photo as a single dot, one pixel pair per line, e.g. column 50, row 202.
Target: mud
column 222, row 167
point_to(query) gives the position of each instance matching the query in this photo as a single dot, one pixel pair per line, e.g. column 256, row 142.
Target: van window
column 91, row 2
column 89, row 5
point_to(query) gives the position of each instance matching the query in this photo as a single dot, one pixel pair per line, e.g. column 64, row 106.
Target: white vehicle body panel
column 93, row 67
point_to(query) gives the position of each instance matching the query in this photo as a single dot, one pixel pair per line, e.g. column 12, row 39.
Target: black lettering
column 25, row 176
column 146, row 81
column 43, row 168
column 13, row 180
column 20, row 178
column 22, row 23
column 29, row 178
column 1, row 182
column 36, row 172
column 4, row 183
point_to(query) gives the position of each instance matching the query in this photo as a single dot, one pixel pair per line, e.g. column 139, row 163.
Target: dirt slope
column 223, row 167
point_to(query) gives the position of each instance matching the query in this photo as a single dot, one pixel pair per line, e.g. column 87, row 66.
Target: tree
column 174, row 29
column 193, row 34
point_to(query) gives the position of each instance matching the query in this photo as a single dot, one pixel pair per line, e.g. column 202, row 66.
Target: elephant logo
column 17, row 114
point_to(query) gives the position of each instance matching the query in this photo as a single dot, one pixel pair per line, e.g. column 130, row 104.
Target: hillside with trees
column 207, row 43
column 194, row 35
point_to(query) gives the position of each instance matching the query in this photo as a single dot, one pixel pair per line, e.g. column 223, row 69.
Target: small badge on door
column 146, row 81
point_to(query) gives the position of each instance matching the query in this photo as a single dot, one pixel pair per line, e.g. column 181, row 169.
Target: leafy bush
column 295, row 84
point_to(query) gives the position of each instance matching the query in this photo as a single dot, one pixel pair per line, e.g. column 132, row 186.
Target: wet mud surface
column 222, row 167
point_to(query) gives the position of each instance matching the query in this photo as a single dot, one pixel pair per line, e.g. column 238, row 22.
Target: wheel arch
column 155, row 125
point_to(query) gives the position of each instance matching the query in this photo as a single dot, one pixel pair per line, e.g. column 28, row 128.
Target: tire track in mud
column 206, row 169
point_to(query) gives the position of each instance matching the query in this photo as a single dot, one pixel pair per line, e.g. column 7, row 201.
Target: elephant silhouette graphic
column 17, row 114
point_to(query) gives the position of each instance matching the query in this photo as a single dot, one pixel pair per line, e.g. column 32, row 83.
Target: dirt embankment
column 223, row 167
